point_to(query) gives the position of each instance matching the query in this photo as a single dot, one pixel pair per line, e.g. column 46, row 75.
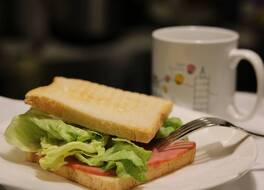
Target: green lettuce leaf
column 60, row 130
column 24, row 134
column 128, row 159
column 54, row 156
column 169, row 126
column 56, row 140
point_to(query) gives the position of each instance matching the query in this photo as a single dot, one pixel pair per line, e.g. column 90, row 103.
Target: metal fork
column 193, row 126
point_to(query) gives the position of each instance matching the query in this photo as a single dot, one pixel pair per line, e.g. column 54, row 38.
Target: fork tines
column 176, row 145
column 181, row 132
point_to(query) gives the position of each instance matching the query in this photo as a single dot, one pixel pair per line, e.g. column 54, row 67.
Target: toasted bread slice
column 105, row 109
column 98, row 182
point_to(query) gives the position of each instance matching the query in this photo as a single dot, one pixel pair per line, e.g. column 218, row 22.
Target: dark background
column 108, row 41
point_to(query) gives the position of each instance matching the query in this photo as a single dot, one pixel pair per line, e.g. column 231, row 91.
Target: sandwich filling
column 55, row 141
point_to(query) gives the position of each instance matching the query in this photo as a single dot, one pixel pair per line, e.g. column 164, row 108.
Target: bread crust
column 97, row 182
column 105, row 109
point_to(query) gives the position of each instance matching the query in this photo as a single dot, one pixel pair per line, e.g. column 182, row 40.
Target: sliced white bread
column 105, row 109
column 98, row 182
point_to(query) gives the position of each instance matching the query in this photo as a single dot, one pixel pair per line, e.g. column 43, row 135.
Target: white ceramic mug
column 195, row 66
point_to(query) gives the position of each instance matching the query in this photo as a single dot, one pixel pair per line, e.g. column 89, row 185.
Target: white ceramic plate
column 227, row 158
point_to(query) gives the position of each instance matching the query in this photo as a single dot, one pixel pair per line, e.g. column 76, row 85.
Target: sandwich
column 97, row 136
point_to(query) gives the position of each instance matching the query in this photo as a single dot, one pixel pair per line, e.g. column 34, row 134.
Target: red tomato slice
column 164, row 156
column 90, row 169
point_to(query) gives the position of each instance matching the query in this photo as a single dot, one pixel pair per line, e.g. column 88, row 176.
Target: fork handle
column 236, row 55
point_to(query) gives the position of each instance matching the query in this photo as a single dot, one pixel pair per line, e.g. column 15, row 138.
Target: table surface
column 253, row 180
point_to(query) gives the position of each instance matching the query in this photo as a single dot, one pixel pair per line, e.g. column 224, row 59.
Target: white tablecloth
column 254, row 180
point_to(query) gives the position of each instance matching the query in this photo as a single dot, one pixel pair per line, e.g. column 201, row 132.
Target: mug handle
column 236, row 55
